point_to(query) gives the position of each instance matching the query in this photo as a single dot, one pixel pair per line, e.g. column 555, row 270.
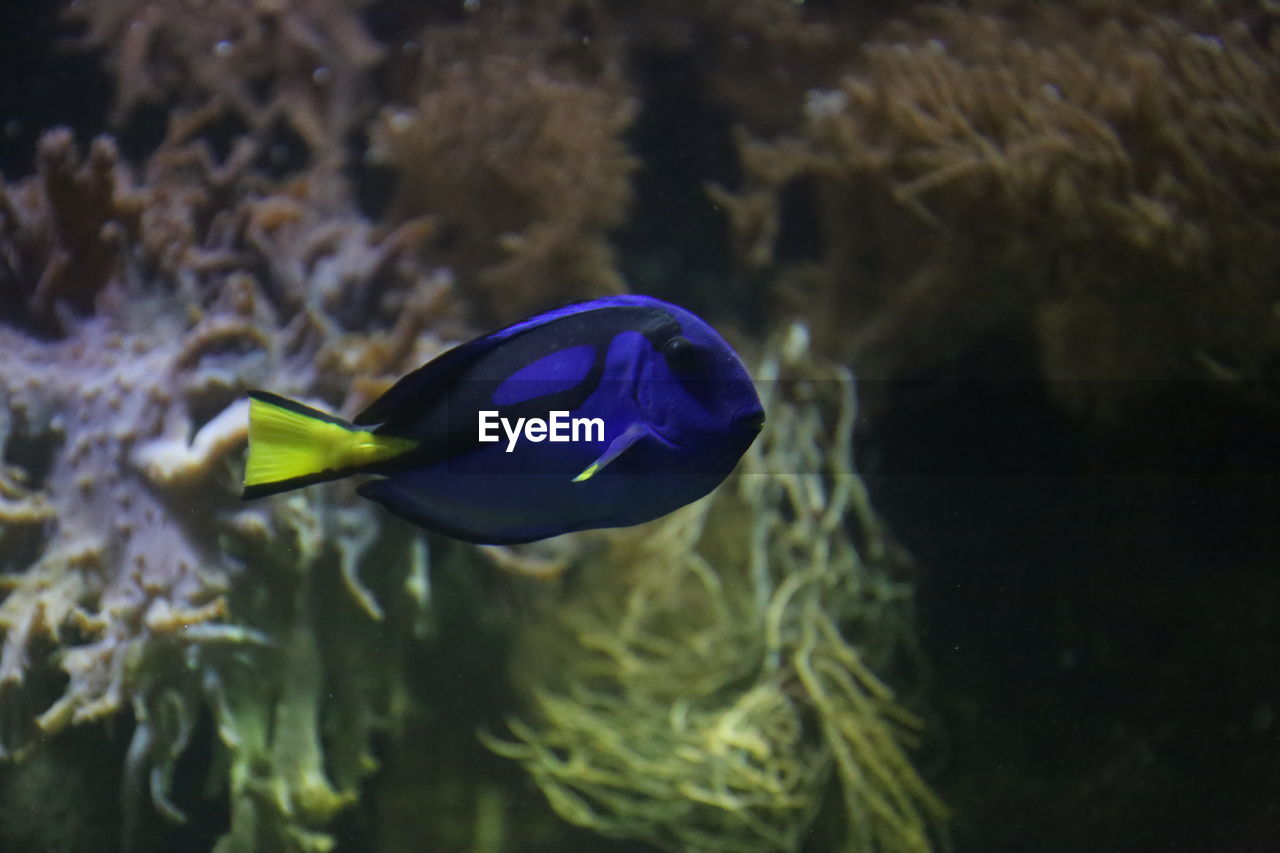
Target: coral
column 517, row 156
column 127, row 554
column 139, row 300
column 301, row 62
column 711, row 672
column 236, row 243
column 1084, row 171
column 753, row 59
column 318, row 673
column 65, row 231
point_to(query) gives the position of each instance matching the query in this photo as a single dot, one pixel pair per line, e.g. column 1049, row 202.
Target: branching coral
column 712, row 671
column 65, row 232
column 138, row 300
column 1097, row 175
column 303, row 62
column 517, row 155
column 126, row 552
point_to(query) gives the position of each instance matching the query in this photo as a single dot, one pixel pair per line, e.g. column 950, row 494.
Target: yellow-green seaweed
column 707, row 677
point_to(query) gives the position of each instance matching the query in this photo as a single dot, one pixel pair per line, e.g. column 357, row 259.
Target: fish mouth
column 752, row 420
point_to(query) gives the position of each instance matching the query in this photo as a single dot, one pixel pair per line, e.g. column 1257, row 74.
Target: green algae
column 711, row 676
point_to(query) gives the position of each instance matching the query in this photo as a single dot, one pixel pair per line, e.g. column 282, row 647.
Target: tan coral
column 126, row 581
column 310, row 56
column 64, row 232
column 519, row 158
column 979, row 169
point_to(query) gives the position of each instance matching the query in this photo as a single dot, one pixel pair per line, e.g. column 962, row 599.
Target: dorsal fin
column 431, row 378
column 419, row 383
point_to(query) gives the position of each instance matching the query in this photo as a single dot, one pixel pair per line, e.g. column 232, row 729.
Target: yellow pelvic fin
column 617, row 447
column 587, row 473
column 288, row 440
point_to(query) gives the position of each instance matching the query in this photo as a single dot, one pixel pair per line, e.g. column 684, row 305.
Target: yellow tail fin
column 292, row 445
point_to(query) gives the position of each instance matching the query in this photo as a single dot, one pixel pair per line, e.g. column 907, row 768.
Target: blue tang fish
column 604, row 413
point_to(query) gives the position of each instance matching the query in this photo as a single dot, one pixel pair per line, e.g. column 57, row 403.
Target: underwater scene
column 718, row 426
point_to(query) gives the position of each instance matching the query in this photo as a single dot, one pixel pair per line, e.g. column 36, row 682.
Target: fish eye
column 679, row 352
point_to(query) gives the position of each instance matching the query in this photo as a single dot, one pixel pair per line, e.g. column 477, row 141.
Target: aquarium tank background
column 1000, row 573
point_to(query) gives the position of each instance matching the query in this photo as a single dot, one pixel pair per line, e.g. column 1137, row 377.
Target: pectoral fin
column 628, row 437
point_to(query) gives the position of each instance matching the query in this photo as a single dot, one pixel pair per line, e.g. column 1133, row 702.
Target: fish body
column 628, row 407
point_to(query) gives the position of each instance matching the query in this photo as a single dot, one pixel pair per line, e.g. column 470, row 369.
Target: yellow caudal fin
column 292, row 445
